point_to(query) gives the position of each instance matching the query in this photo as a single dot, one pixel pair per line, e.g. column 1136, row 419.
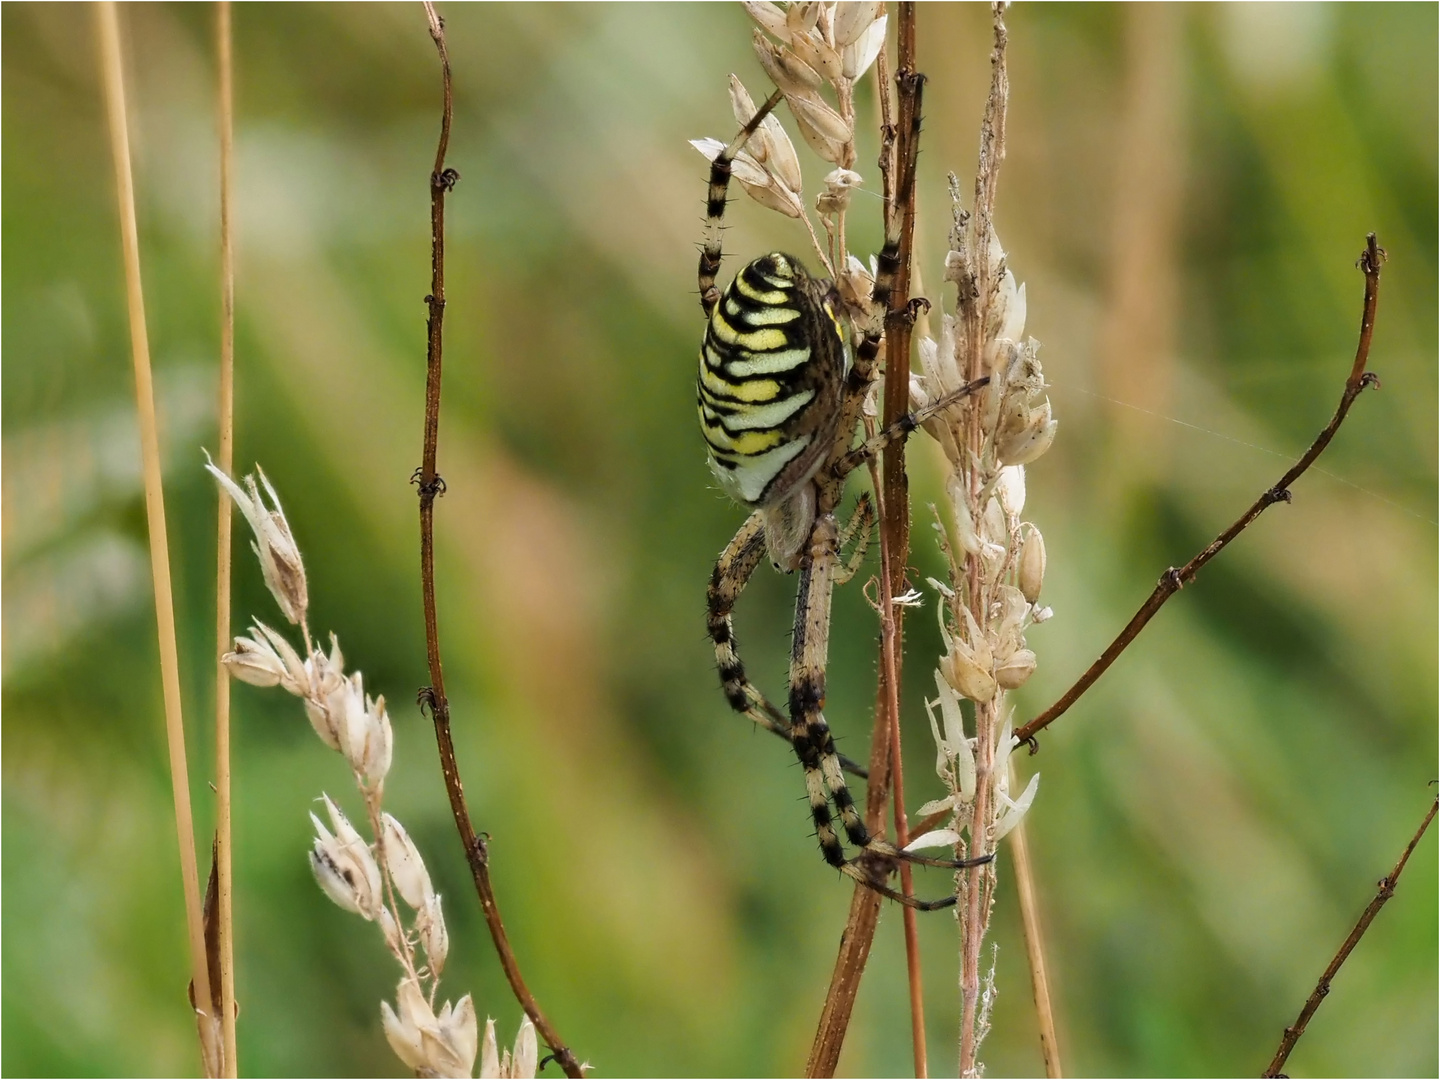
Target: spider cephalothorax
column 779, row 404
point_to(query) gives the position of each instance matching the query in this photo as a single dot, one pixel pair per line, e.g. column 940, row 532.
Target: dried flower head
column 344, row 865
column 521, row 1064
column 279, row 556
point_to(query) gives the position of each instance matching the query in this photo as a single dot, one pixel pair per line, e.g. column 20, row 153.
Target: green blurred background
column 1186, row 192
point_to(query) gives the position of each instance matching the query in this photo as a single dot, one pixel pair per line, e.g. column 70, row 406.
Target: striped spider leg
column 779, row 405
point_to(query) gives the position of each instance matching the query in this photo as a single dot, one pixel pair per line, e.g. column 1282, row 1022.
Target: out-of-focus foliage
column 1185, row 195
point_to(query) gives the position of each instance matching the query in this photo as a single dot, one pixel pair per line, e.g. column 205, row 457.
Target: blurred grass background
column 1186, row 192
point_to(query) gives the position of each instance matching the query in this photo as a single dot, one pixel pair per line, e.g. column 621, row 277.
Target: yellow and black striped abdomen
column 771, row 371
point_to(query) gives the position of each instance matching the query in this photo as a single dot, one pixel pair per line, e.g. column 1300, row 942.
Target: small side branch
column 1173, row 580
column 430, row 484
column 1322, row 988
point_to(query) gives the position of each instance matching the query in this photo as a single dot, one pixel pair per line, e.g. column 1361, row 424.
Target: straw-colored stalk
column 107, row 24
column 226, row 450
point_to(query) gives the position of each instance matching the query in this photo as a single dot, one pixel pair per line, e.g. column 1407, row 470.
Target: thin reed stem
column 899, row 183
column 1322, row 988
column 1173, row 580
column 107, row 23
column 432, row 697
column 226, row 450
column 1035, row 948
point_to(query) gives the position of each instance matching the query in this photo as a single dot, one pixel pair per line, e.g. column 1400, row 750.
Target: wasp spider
column 780, row 398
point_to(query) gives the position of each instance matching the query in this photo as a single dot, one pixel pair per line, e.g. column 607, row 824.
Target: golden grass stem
column 1035, row 948
column 226, row 451
column 114, row 83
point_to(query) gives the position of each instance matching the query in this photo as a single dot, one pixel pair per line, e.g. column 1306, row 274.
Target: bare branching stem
column 432, row 697
column 1173, row 580
column 1385, row 891
column 107, row 23
column 898, row 178
column 226, row 454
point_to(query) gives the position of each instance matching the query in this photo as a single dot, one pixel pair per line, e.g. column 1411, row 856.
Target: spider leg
column 715, row 204
column 815, row 744
column 903, row 427
column 862, row 521
column 732, row 572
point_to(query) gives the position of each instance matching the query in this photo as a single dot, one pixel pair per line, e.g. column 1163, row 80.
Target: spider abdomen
column 771, row 373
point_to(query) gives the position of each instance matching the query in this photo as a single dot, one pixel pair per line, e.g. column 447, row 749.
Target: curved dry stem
column 1173, row 580
column 432, row 697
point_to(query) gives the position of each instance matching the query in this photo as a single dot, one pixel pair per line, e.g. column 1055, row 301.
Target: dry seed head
column 407, row 868
column 256, row 662
column 836, row 197
column 759, row 184
column 1024, row 433
column 344, row 866
column 434, row 938
column 856, row 58
column 769, row 16
column 787, row 71
column 1010, row 490
column 1012, row 672
column 968, row 665
column 279, row 556
column 822, row 127
column 769, row 145
column 432, row 1046
column 1030, row 573
column 818, row 56
column 853, row 18
column 521, row 1064
column 857, row 285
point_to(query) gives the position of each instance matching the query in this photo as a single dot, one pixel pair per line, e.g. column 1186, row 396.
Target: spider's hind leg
column 815, row 744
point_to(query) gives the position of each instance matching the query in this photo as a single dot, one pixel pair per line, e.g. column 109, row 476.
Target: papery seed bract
column 769, row 16
column 1030, row 574
column 822, row 127
column 255, row 662
column 407, row 868
column 785, row 69
column 776, row 151
column 853, row 18
column 856, row 58
column 280, row 561
column 434, row 936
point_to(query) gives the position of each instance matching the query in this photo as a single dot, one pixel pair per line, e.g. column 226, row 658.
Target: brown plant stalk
column 226, row 453
column 1322, row 988
column 432, row 697
column 859, row 933
column 113, row 75
column 1173, row 580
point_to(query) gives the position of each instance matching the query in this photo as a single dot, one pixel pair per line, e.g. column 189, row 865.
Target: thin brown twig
column 1322, row 988
column 1173, row 580
column 114, row 82
column 898, row 177
column 226, row 452
column 442, row 180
